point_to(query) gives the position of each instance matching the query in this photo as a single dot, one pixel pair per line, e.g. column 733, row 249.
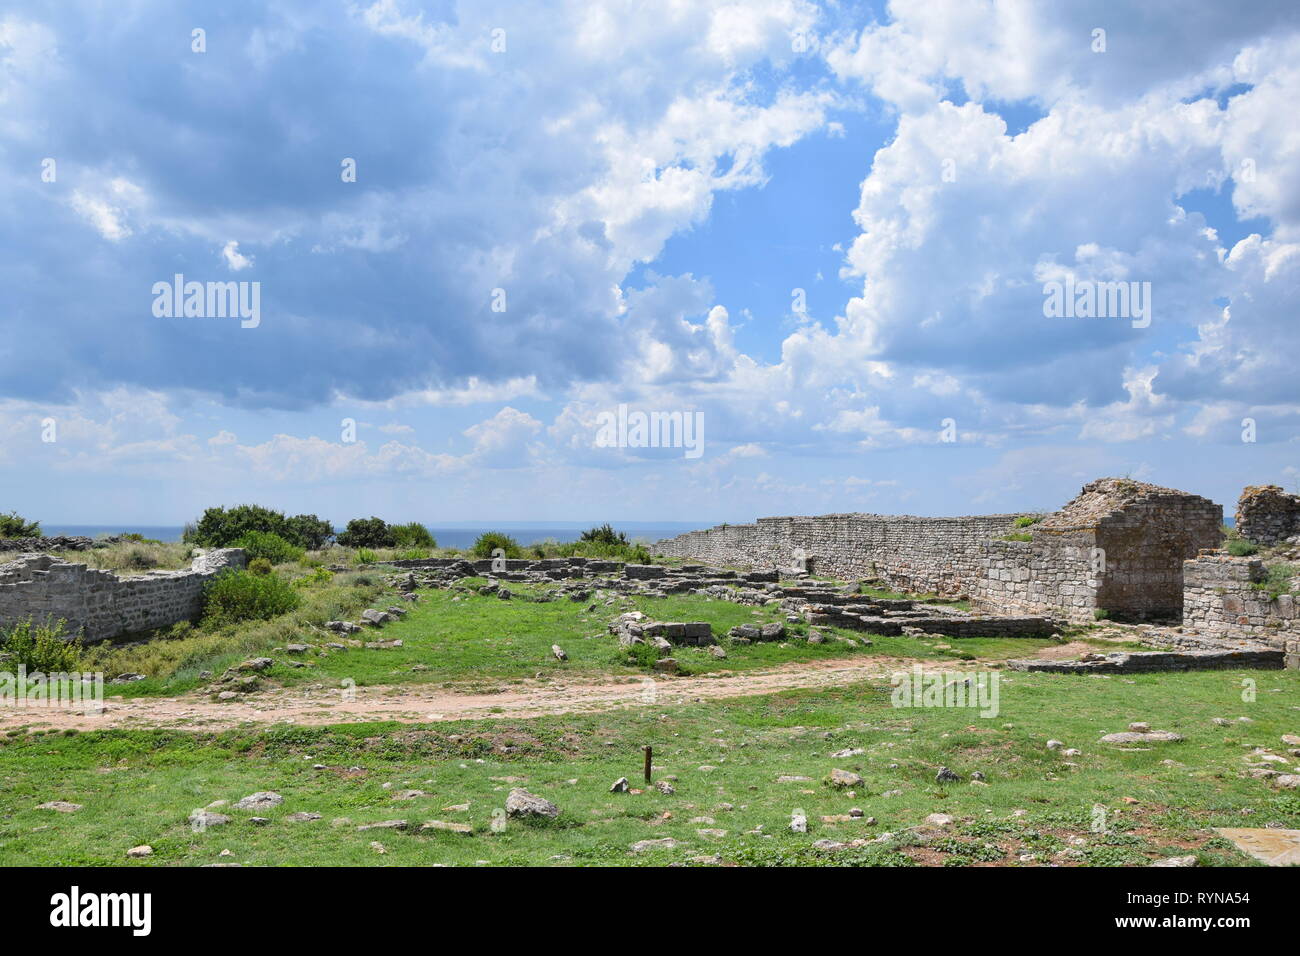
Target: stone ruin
column 1267, row 515
column 100, row 604
column 1115, row 551
column 1117, row 548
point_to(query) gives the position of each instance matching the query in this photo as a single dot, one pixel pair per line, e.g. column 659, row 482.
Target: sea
column 461, row 536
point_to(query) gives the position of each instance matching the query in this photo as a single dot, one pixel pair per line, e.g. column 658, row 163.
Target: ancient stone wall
column 1118, row 546
column 100, row 604
column 925, row 555
column 1267, row 515
column 1219, row 598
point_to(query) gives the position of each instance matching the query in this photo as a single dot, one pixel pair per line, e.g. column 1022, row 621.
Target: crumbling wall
column 1118, row 547
column 1220, row 598
column 925, row 555
column 100, row 604
column 1267, row 515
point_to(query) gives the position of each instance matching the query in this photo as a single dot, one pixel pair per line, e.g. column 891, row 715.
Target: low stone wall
column 925, row 555
column 1146, row 662
column 1267, row 515
column 100, row 604
column 1219, row 599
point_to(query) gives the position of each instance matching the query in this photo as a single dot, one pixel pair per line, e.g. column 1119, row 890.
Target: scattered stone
column 664, row 843
column 946, row 776
column 140, row 852
column 59, row 806
column 844, row 779
column 798, row 823
column 384, row 825
column 262, row 800
column 938, row 819
column 620, row 785
column 558, row 651
column 1142, row 737
column 1176, row 861
column 521, row 803
column 302, row 816
column 446, row 826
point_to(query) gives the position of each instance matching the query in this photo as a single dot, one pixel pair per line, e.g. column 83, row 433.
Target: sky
column 824, row 231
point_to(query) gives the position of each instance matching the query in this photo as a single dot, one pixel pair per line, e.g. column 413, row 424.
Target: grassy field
column 724, row 759
column 471, row 639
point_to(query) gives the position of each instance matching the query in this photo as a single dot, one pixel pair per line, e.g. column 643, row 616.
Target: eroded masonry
column 1117, row 548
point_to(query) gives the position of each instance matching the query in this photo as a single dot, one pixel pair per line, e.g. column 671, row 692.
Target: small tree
column 490, row 541
column 605, row 534
column 308, row 531
column 41, row 648
column 12, row 525
column 369, row 532
column 413, row 535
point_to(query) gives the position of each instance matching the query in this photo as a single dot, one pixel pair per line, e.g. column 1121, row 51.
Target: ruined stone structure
column 1118, row 547
column 1267, row 515
column 1221, row 598
column 923, row 555
column 100, row 604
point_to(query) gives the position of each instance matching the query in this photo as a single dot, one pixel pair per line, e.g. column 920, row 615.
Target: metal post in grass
column 649, row 751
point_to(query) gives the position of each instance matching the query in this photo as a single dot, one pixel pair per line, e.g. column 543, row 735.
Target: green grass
column 138, row 786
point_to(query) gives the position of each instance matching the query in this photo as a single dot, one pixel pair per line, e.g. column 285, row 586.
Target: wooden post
column 648, row 758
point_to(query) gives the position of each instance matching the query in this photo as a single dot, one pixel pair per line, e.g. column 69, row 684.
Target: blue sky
column 652, row 188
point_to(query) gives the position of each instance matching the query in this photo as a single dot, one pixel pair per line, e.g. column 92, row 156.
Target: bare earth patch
column 529, row 698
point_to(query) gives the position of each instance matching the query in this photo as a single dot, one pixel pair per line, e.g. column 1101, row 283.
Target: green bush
column 1024, row 521
column 412, row 535
column 490, row 541
column 219, row 528
column 259, row 566
column 41, row 648
column 13, row 526
column 366, row 556
column 139, row 559
column 604, row 534
column 268, row 546
column 368, row 533
column 1241, row 547
column 308, row 531
column 320, row 575
column 414, row 554
column 1277, row 579
column 244, row 596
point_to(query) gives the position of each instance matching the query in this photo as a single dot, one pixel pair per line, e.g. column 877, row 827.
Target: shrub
column 1277, row 579
column 139, row 559
column 138, row 538
column 490, row 541
column 259, row 566
column 414, row 554
column 366, row 556
column 243, row 596
column 412, row 535
column 13, row 526
column 368, row 533
column 41, row 648
column 270, row 547
column 320, row 575
column 1241, row 547
column 308, row 531
column 605, row 534
column 219, row 528
column 1024, row 521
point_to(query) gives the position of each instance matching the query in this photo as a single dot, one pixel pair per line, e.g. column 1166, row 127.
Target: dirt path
column 416, row 703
